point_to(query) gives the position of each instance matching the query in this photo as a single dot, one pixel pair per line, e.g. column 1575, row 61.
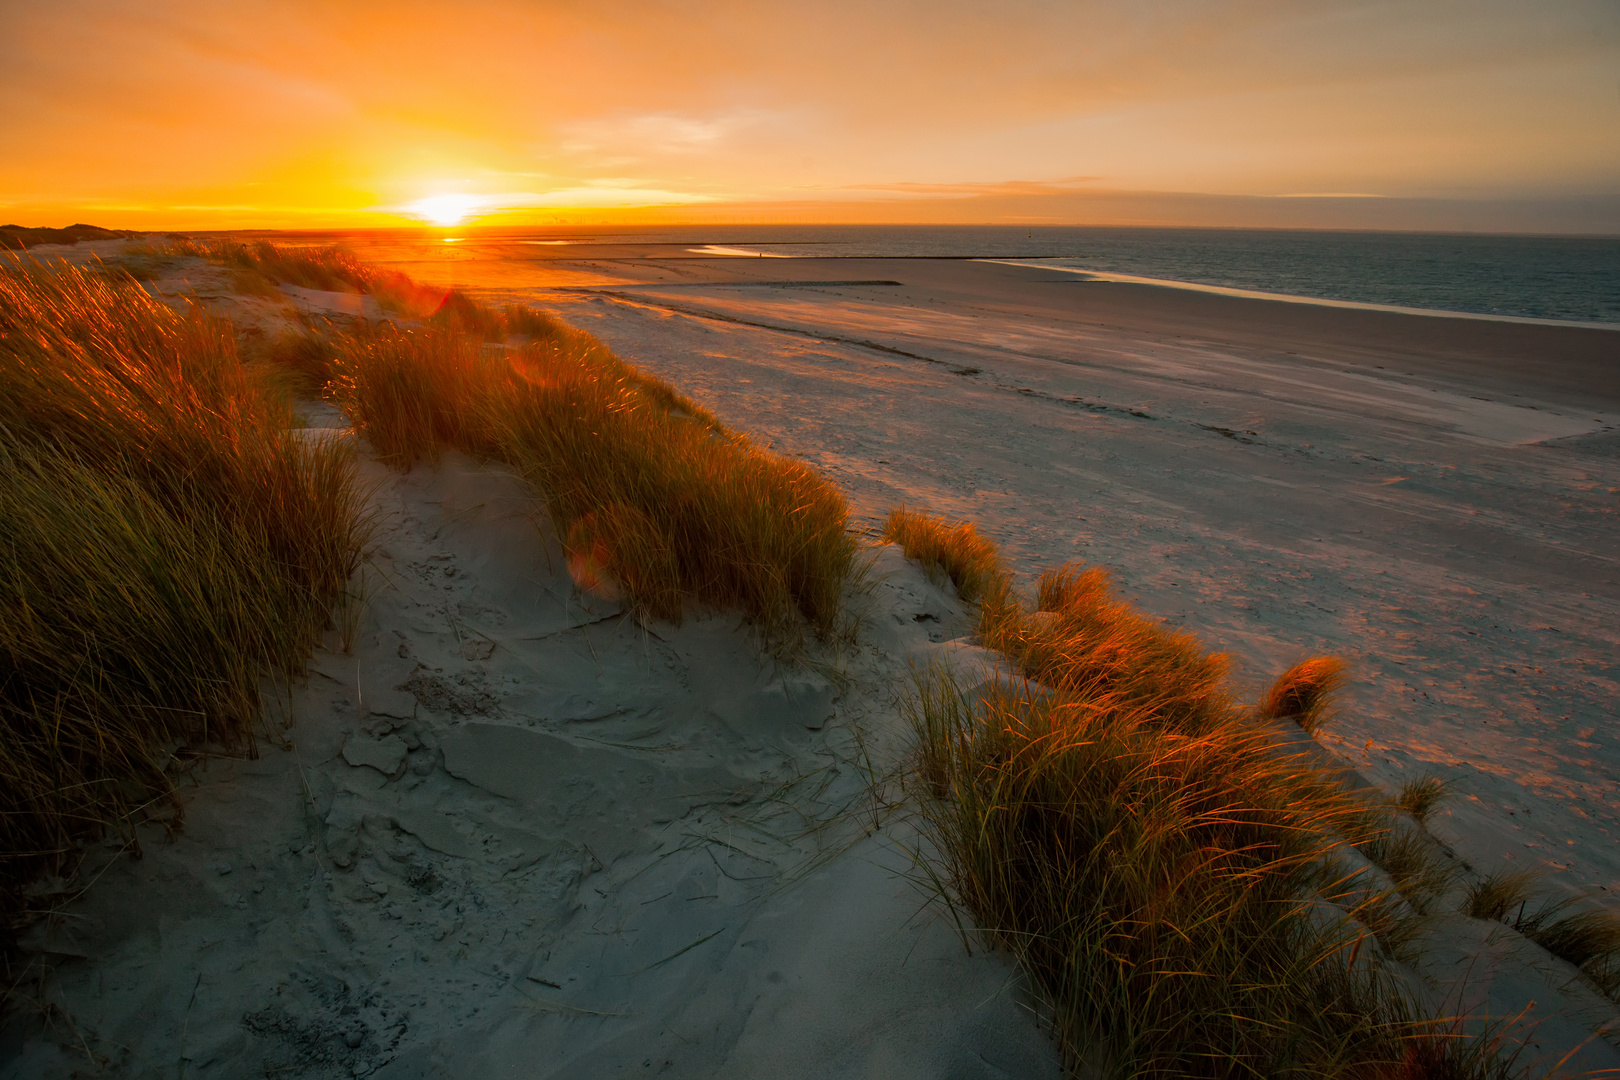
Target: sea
column 1558, row 278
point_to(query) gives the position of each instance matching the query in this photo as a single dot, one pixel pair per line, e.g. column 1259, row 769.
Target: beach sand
column 517, row 834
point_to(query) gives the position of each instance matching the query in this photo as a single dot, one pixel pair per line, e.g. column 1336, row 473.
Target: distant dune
column 21, row 236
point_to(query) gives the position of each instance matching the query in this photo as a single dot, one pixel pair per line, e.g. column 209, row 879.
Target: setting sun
column 810, row 538
column 443, row 209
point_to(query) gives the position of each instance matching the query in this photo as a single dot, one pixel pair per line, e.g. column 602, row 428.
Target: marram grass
column 167, row 540
column 1165, row 869
column 955, row 550
column 654, row 499
column 1304, row 692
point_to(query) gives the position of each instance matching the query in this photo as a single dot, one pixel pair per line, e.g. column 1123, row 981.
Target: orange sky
column 178, row 114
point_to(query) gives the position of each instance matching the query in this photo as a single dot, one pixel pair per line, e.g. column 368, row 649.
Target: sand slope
column 516, row 834
column 1455, row 540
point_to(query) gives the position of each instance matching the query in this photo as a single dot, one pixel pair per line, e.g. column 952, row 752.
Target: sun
column 443, row 209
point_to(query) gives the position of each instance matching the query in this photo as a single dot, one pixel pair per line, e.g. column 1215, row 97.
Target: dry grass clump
column 329, row 269
column 1413, row 859
column 1419, row 797
column 166, row 540
column 1083, row 640
column 305, row 355
column 413, row 393
column 955, row 550
column 1496, row 896
column 656, row 501
column 657, row 484
column 261, row 266
column 1166, row 869
column 1302, row 693
column 1166, row 891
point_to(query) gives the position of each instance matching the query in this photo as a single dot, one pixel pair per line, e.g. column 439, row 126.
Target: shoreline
column 1569, row 365
column 1301, row 298
column 1274, row 502
column 1432, row 497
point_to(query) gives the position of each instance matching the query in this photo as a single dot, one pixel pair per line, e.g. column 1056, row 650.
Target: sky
column 1448, row 114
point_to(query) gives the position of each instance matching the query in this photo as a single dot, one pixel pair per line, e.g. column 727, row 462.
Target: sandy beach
column 516, row 833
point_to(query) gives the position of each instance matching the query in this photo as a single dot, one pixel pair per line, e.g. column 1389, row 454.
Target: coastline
column 1300, row 298
column 1571, row 366
column 1434, row 497
column 1279, row 481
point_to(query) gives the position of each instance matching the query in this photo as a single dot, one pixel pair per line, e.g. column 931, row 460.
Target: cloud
column 645, row 134
column 1063, row 185
column 341, row 107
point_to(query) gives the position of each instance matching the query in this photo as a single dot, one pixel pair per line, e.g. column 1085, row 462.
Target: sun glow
column 443, row 209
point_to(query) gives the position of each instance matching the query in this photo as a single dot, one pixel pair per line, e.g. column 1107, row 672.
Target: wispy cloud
column 642, row 134
column 1062, row 185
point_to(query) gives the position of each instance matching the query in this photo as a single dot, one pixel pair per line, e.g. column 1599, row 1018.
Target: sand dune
column 516, row 833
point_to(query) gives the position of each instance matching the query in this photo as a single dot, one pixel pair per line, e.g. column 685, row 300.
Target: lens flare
column 589, row 561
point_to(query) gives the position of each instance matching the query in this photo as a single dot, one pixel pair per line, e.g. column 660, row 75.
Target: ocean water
column 1564, row 278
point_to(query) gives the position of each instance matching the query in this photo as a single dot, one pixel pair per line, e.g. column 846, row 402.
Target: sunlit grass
column 1164, row 865
column 655, row 500
column 955, row 550
column 1303, row 692
column 1420, row 797
column 169, row 540
column 259, row 267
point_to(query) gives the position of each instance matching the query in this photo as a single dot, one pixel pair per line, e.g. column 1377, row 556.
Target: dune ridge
column 427, row 708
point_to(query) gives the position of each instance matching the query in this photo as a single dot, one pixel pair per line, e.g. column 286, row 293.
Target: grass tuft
column 1415, row 861
column 1167, row 869
column 259, row 267
column 1156, row 885
column 305, row 355
column 1496, row 896
column 657, row 502
column 1420, row 797
column 1588, row 938
column 955, row 550
column 1305, row 692
column 1085, row 641
column 678, row 506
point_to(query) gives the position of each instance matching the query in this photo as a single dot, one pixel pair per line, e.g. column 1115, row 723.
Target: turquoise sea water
column 1564, row 278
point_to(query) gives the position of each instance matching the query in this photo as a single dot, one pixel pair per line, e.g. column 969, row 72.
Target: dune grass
column 655, row 500
column 1419, row 797
column 167, row 540
column 1166, row 869
column 260, row 267
column 1587, row 937
column 1303, row 692
column 670, row 503
column 953, row 549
